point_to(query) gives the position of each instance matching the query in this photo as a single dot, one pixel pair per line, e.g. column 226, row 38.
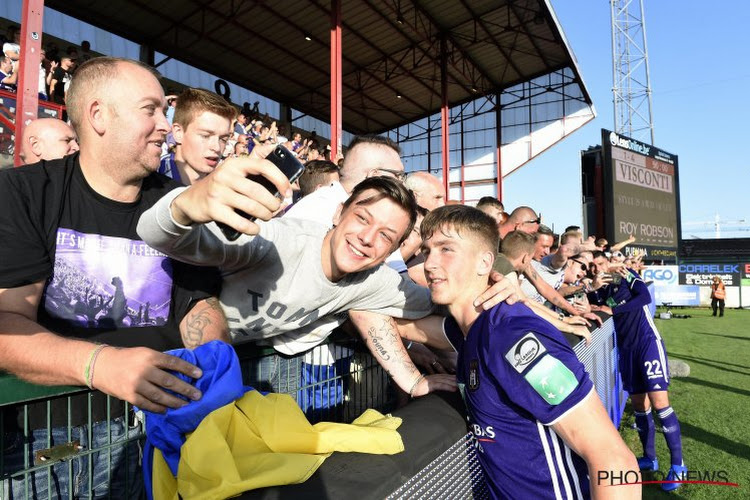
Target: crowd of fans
column 56, row 66
column 339, row 228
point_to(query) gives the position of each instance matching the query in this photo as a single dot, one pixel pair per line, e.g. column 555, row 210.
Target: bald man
column 521, row 219
column 368, row 156
column 47, row 139
column 427, row 189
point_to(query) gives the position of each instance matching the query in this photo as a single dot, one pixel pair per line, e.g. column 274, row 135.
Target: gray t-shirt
column 274, row 282
column 553, row 277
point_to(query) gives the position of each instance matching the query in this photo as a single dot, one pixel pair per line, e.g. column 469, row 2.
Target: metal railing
column 334, row 383
column 52, row 437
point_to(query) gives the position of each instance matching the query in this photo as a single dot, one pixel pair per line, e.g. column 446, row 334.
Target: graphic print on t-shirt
column 108, row 282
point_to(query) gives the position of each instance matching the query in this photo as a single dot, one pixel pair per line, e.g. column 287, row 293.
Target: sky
column 700, row 76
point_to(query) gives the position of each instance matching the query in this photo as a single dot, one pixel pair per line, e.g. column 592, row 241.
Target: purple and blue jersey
column 168, row 167
column 643, row 359
column 518, row 377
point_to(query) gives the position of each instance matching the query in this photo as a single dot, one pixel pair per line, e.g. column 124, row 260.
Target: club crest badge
column 474, row 375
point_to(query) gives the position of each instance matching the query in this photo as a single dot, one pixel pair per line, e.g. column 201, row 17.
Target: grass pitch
column 712, row 404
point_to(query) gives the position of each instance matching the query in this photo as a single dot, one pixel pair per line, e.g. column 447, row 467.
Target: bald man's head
column 47, row 139
column 521, row 219
column 427, row 189
column 368, row 156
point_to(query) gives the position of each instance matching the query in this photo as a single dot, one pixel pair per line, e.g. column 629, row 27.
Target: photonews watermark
column 691, row 476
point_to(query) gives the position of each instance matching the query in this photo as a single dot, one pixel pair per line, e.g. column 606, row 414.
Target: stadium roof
column 391, row 48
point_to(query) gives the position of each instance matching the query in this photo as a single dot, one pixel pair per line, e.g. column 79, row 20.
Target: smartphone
column 289, row 165
column 616, row 278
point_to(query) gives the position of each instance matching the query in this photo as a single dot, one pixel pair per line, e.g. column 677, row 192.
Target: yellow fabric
column 261, row 441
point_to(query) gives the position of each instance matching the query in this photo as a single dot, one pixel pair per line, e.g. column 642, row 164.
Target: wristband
column 419, row 379
column 88, row 374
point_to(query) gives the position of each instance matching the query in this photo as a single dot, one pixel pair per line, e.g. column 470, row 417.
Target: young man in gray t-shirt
column 297, row 276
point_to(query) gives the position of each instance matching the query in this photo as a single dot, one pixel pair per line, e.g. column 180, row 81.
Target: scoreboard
column 637, row 193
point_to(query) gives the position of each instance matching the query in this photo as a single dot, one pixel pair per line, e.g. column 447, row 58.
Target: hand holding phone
column 615, row 277
column 219, row 195
column 289, row 165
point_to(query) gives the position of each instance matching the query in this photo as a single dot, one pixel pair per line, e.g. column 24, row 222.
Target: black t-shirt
column 103, row 283
column 61, row 76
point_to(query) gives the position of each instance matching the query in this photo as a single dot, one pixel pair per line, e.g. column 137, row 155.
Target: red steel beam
column 445, row 151
column 246, row 55
column 336, row 101
column 499, row 143
column 383, row 54
column 27, row 94
column 350, row 87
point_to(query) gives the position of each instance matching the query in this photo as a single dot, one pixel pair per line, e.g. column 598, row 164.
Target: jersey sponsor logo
column 552, row 380
column 474, row 375
column 482, row 435
column 523, row 352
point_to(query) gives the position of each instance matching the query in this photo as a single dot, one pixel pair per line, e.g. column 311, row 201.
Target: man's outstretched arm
column 381, row 336
column 203, row 323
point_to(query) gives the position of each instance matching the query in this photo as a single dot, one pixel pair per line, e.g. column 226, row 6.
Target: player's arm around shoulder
column 588, row 431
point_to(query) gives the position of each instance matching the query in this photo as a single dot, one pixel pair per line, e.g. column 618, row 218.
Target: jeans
column 113, row 468
column 276, row 373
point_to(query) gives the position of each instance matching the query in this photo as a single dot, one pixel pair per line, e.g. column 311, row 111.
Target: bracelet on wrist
column 416, row 383
column 88, row 373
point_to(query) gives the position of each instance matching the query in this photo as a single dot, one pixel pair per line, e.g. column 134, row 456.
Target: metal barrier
column 456, row 473
column 335, row 383
column 50, row 428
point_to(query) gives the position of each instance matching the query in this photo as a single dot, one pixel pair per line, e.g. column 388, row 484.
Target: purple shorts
column 644, row 367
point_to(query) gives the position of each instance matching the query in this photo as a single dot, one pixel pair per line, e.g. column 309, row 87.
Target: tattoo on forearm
column 385, row 343
column 377, row 344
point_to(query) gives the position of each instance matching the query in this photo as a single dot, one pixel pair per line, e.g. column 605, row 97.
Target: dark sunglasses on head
column 538, row 220
column 584, row 267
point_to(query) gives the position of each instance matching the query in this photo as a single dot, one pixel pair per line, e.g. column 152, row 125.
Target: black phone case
column 289, row 165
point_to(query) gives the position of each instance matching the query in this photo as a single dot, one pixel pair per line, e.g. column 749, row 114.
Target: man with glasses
column 522, row 219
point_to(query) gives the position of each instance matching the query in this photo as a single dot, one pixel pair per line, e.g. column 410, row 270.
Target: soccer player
column 643, row 362
column 539, row 424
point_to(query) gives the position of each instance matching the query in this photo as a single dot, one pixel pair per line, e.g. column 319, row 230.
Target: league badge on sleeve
column 524, row 352
column 552, row 380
